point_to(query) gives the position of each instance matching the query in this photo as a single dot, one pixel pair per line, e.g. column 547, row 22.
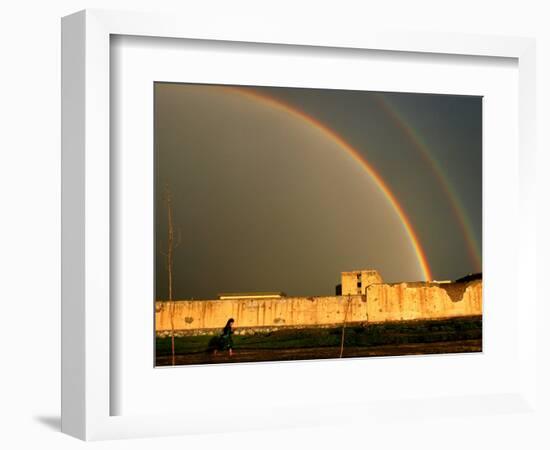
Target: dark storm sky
column 255, row 213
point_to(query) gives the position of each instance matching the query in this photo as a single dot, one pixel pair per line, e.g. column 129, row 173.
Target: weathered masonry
column 364, row 299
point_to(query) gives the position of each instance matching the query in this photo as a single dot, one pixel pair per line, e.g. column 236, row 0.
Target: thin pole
column 344, row 326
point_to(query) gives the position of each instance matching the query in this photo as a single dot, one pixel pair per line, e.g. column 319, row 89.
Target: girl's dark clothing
column 226, row 339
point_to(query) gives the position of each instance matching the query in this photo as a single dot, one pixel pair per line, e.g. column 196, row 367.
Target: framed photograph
column 294, row 221
column 315, row 223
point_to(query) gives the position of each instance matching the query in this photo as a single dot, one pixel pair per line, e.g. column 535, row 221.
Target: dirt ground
column 257, row 355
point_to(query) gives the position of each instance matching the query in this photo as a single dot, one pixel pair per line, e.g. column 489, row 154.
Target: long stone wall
column 382, row 303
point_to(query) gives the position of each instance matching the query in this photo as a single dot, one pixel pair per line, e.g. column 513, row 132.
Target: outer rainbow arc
column 419, row 251
column 455, row 203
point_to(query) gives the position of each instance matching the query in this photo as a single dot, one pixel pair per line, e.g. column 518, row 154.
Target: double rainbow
column 335, row 137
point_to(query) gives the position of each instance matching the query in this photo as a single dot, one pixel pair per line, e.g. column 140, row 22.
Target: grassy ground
column 415, row 337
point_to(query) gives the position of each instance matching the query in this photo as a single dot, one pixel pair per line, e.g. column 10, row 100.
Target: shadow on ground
column 51, row 422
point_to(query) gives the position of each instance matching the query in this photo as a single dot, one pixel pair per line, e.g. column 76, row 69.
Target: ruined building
column 357, row 281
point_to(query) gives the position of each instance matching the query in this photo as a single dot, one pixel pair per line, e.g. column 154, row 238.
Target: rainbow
column 456, row 205
column 335, row 137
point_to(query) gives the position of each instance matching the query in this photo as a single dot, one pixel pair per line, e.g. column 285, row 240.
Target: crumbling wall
column 410, row 301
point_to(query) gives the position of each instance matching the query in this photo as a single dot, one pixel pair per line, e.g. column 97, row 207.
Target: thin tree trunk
column 169, row 261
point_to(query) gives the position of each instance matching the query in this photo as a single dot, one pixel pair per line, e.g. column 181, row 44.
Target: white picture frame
column 86, row 247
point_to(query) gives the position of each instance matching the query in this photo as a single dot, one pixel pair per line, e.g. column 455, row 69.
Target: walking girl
column 225, row 341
